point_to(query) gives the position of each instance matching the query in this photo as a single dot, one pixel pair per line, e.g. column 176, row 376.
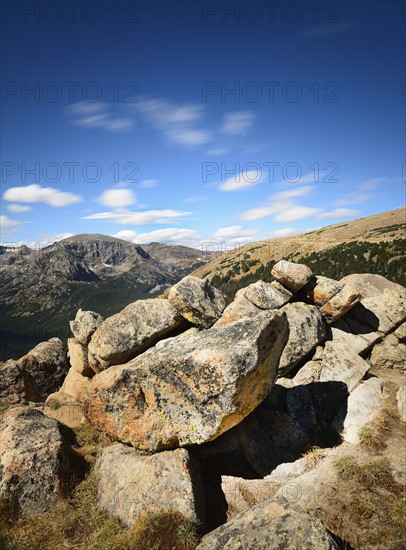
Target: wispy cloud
column 295, row 213
column 192, row 200
column 373, row 183
column 354, row 198
column 117, row 198
column 237, row 123
column 242, row 180
column 235, row 234
column 284, row 232
column 139, row 218
column 148, row 184
column 36, row 193
column 187, row 237
column 180, row 124
column 297, row 192
column 8, row 226
column 18, row 208
column 217, row 152
column 97, row 115
column 338, row 213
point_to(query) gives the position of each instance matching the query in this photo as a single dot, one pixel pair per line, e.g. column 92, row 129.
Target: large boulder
column 84, row 325
column 270, row 525
column 263, row 295
column 306, row 331
column 191, row 388
column 321, row 289
column 383, row 306
column 197, row 300
column 292, row 276
column 240, row 308
column 340, row 303
column 341, row 364
column 35, row 375
column 132, row 331
column 130, row 485
column 47, row 364
column 75, row 385
column 35, row 464
column 362, row 405
column 16, row 384
column 389, row 354
column 78, row 357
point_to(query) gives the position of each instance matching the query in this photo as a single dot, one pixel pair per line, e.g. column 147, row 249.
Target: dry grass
column 78, row 524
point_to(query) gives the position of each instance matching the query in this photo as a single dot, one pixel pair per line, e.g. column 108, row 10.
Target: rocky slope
column 276, row 421
column 40, row 289
column 374, row 244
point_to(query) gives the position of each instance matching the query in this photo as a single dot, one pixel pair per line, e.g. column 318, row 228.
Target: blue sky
column 190, row 122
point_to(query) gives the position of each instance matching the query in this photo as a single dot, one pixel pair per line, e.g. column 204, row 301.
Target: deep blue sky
column 313, row 134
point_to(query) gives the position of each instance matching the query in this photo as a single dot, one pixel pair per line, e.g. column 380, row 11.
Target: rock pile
column 196, row 383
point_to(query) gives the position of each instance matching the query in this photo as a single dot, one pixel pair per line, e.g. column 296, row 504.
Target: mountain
column 374, row 244
column 42, row 289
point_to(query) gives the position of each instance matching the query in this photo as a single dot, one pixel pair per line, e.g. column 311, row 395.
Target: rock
column 264, row 296
column 270, row 438
column 351, row 332
column 389, row 354
column 130, row 485
column 241, row 308
column 292, row 276
column 401, row 399
column 280, row 288
column 383, row 306
column 363, row 403
column 340, row 363
column 340, row 303
column 321, row 289
column 191, row 388
column 310, row 372
column 270, row 525
column 242, row 494
column 78, row 357
column 65, row 409
column 400, row 333
column 306, row 331
column 84, row 325
column 300, row 407
column 197, row 300
column 16, row 385
column 75, row 385
column 47, row 363
column 35, row 462
column 130, row 332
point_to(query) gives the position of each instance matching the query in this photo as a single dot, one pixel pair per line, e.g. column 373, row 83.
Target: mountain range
column 42, row 289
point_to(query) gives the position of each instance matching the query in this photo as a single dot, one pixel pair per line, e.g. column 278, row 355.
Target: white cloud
column 8, row 226
column 355, row 198
column 241, row 181
column 18, row 208
column 338, row 213
column 47, row 239
column 148, row 184
column 188, row 237
column 375, row 182
column 266, row 211
column 296, row 212
column 117, row 198
column 179, row 123
column 284, row 232
column 235, row 234
column 237, row 122
column 36, row 193
column 297, row 192
column 139, row 218
column 97, row 115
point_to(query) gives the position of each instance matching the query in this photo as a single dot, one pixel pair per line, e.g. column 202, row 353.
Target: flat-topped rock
column 191, row 388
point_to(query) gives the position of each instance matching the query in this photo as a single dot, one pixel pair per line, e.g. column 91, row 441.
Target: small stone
column 84, row 325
